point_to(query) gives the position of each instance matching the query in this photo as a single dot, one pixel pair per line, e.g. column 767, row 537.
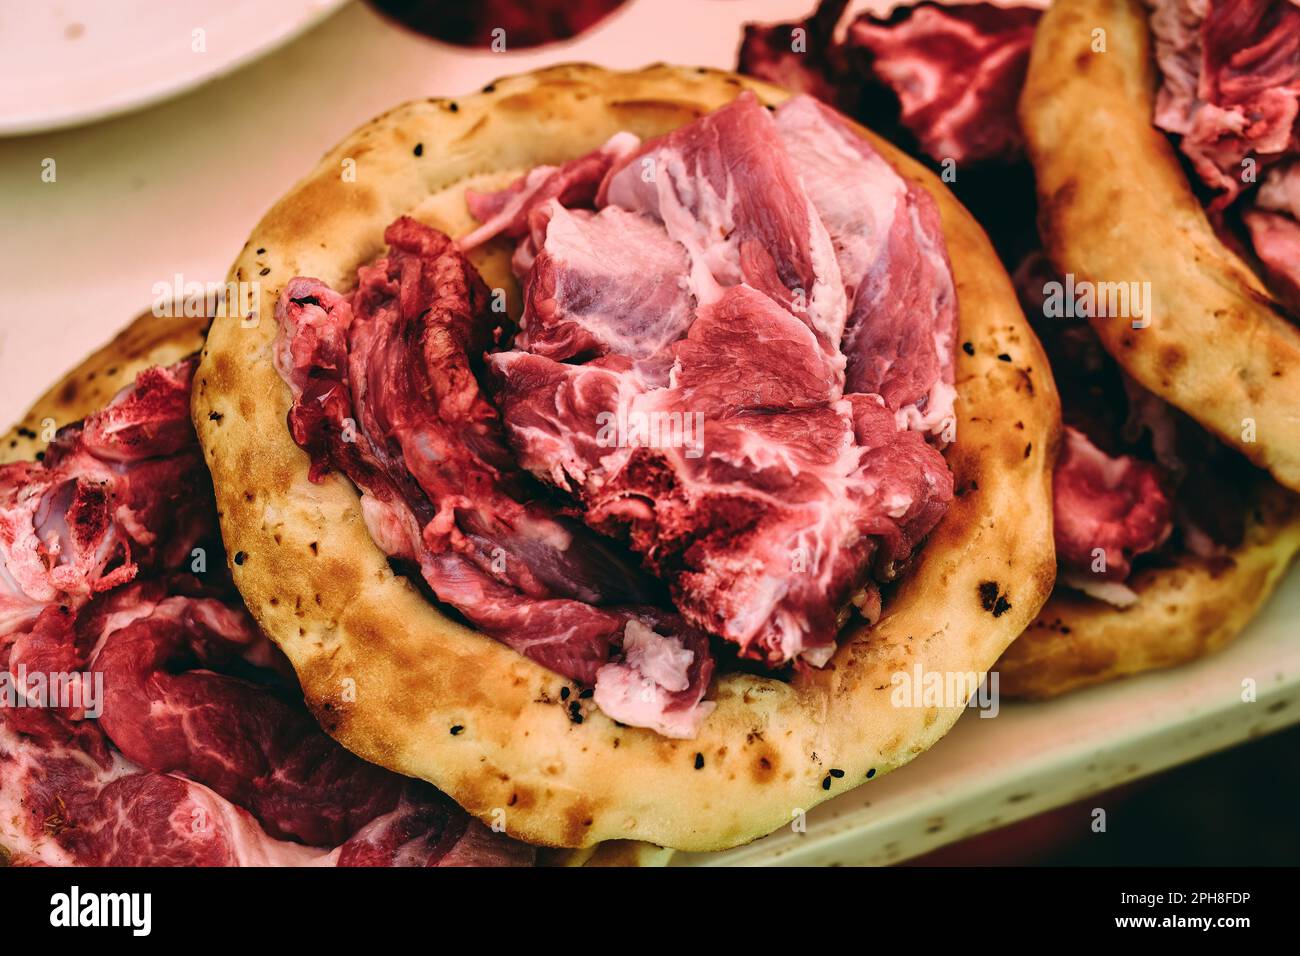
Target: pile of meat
column 952, row 74
column 1136, row 480
column 719, row 415
column 144, row 719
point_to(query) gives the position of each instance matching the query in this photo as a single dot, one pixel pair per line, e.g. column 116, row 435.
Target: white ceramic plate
column 67, row 63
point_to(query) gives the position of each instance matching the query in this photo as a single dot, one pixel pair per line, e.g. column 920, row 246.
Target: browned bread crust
column 1182, row 613
column 389, row 676
column 1116, row 206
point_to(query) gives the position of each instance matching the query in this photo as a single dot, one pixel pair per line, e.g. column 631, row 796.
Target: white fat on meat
column 392, row 527
column 639, row 690
column 1280, row 190
column 606, row 282
column 541, row 183
column 703, row 183
column 859, row 194
column 1114, row 593
column 714, row 263
column 892, row 260
column 245, row 840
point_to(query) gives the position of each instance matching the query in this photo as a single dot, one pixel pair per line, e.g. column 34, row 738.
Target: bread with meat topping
column 1115, row 205
column 149, row 340
column 401, row 684
column 1182, row 613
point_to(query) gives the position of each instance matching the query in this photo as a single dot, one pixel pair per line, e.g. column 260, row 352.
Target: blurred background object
column 66, row 63
column 498, row 24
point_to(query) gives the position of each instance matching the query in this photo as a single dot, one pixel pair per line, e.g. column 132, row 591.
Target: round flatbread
column 400, row 684
column 149, row 340
column 1115, row 206
column 1182, row 613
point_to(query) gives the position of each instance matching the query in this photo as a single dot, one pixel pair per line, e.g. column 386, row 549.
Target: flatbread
column 401, row 685
column 1116, row 206
column 1182, row 613
column 147, row 341
column 150, row 341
